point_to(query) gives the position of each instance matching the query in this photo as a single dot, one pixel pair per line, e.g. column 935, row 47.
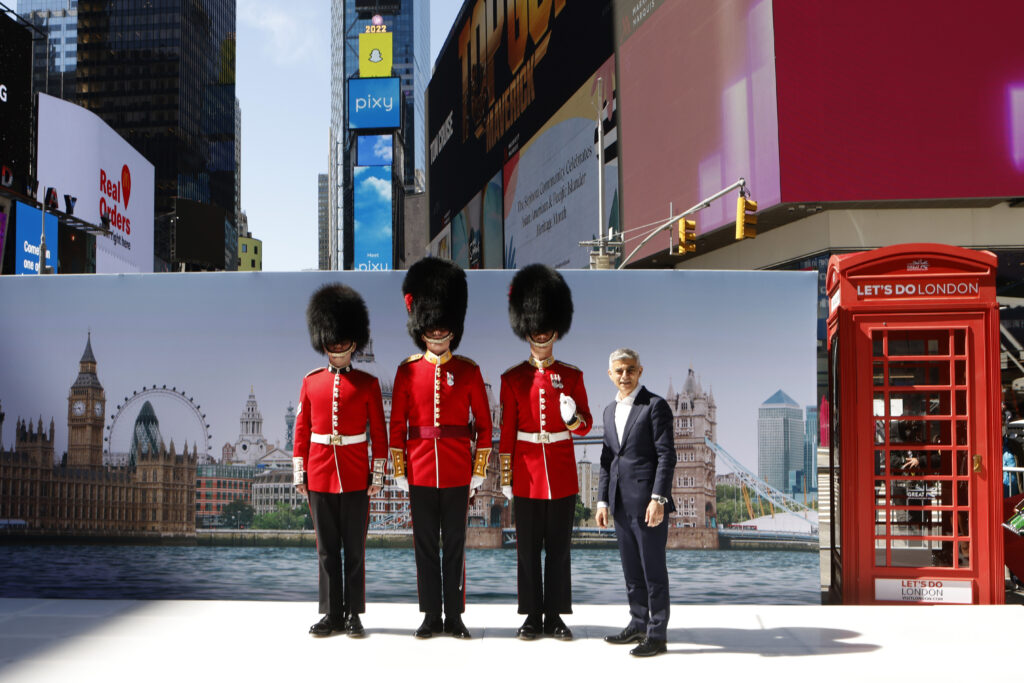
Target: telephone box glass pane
column 919, row 343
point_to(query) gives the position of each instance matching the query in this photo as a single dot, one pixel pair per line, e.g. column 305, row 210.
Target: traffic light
column 744, row 220
column 687, row 235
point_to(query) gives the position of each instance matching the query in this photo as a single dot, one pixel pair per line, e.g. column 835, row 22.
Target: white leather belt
column 337, row 439
column 542, row 437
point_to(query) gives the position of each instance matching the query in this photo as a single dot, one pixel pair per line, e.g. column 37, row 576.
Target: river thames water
column 244, row 573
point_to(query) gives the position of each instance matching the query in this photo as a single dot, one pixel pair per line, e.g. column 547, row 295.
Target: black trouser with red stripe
column 340, row 521
column 544, row 525
column 439, row 537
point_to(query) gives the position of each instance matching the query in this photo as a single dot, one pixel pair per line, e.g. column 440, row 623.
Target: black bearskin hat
column 337, row 314
column 539, row 301
column 436, row 296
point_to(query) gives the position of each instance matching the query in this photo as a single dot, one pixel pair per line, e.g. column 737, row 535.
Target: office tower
column 323, row 223
column 811, row 448
column 55, row 48
column 780, row 442
column 409, row 24
column 162, row 74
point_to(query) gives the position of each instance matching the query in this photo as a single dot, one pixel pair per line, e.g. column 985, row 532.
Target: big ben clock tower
column 86, row 410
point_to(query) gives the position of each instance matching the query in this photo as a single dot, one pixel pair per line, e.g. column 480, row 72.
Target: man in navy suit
column 637, row 461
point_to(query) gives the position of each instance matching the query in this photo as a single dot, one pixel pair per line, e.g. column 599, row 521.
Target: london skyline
column 214, row 335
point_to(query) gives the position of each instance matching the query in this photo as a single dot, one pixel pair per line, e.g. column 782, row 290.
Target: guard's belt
column 542, row 437
column 440, row 432
column 337, row 439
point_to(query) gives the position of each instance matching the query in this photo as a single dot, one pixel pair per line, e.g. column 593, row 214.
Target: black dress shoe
column 630, row 634
column 649, row 647
column 531, row 628
column 454, row 626
column 354, row 627
column 431, row 624
column 556, row 628
column 327, row 626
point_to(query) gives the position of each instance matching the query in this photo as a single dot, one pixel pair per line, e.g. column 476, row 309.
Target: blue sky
column 284, row 87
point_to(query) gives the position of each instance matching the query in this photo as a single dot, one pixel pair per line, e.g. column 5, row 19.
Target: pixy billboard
column 80, row 155
column 374, row 103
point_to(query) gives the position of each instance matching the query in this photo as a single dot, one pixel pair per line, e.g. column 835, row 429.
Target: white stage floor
column 127, row 640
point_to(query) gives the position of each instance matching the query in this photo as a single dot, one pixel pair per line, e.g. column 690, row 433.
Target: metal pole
column 704, row 203
column 600, row 162
column 42, row 237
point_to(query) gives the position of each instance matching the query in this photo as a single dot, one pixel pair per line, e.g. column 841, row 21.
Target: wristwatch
column 659, row 499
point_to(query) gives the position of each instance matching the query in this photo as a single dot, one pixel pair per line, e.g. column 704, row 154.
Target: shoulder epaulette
column 314, row 371
column 512, row 368
column 415, row 356
column 569, row 365
column 467, row 360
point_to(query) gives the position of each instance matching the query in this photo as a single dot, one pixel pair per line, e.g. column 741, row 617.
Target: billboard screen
column 374, row 150
column 551, row 183
column 28, row 234
column 372, row 211
column 375, row 54
column 82, row 156
column 717, row 122
column 501, row 76
column 900, row 100
column 374, row 103
column 15, row 96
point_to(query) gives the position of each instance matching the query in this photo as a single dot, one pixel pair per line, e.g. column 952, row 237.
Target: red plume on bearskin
column 436, row 296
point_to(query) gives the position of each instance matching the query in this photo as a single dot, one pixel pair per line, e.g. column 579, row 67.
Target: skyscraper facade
column 162, row 74
column 780, row 442
column 811, row 448
column 55, row 49
column 323, row 223
column 409, row 22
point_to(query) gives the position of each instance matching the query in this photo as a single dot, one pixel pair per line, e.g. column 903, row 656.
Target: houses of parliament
column 152, row 495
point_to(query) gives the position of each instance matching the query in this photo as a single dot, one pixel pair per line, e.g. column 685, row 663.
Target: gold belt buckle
column 336, row 439
column 544, row 437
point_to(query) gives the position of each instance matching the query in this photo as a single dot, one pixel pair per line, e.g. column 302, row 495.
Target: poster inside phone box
column 199, row 346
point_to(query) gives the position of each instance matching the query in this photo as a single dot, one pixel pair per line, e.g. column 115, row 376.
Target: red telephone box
column 916, row 456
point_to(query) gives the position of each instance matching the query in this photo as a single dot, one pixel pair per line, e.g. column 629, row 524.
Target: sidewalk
column 119, row 640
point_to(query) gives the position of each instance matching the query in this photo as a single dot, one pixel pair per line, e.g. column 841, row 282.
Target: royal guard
column 337, row 405
column 543, row 403
column 440, row 439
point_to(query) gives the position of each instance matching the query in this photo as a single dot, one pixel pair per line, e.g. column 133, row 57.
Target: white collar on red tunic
column 434, row 359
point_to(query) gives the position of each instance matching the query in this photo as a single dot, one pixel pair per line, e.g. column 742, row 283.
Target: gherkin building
column 146, row 435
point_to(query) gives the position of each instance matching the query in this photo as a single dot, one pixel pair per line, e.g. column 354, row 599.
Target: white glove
column 475, row 482
column 402, row 483
column 568, row 408
column 507, row 492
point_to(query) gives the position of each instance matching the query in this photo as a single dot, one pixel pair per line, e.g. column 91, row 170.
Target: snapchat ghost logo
column 375, row 56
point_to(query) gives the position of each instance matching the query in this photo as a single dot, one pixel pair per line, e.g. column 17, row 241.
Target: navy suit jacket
column 643, row 463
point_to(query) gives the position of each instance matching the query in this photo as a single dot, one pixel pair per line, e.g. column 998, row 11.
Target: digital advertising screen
column 28, row 223
column 82, row 156
column 374, row 150
column 374, row 103
column 372, row 243
column 15, row 96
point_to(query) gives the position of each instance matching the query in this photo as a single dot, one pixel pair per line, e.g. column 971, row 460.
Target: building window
column 255, row 249
column 252, row 263
column 245, row 247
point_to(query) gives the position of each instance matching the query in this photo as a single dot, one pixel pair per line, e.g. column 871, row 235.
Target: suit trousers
column 642, row 550
column 439, row 540
column 340, row 522
column 544, row 525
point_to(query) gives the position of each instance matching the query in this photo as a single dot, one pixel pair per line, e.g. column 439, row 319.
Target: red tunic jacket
column 439, row 392
column 341, row 403
column 530, row 403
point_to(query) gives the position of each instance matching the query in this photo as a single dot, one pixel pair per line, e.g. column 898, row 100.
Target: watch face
column 78, row 407
column 98, row 409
